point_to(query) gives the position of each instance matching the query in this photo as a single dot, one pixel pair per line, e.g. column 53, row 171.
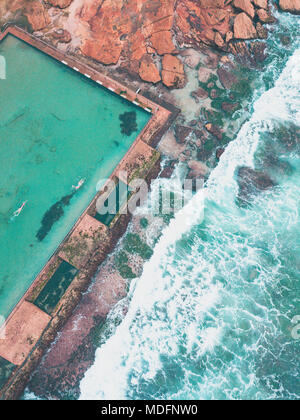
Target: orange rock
column 163, row 24
column 244, row 27
column 107, row 50
column 245, row 6
column 89, row 9
column 173, row 71
column 148, row 70
column 262, row 4
column 137, row 45
column 265, row 16
column 116, row 29
column 219, row 41
column 229, row 36
column 292, row 6
column 62, row 4
column 198, row 21
column 107, row 28
column 162, row 42
column 37, row 15
column 211, row 3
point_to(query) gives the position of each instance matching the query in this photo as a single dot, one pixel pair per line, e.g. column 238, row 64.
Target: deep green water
column 212, row 315
column 56, row 128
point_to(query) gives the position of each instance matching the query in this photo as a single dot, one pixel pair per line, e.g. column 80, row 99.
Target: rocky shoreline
column 200, row 55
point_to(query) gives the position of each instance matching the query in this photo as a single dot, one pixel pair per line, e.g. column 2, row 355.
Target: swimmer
column 80, row 184
column 17, row 212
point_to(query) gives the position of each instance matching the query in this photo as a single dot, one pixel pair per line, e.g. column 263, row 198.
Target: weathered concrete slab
column 138, row 162
column 22, row 332
column 83, row 241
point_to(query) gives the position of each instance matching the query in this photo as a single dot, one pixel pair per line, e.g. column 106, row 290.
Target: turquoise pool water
column 56, row 128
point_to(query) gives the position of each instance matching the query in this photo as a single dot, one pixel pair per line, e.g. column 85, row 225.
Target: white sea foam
column 192, row 289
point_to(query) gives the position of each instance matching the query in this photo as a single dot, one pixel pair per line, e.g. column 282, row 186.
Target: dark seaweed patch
column 52, row 216
column 128, row 123
column 6, row 369
column 56, row 287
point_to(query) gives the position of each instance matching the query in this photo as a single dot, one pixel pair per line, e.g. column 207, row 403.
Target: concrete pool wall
column 29, row 330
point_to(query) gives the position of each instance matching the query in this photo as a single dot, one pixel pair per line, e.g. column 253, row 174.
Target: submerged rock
column 219, row 152
column 128, row 123
column 214, row 130
column 198, row 169
column 182, row 132
column 265, row 16
column 198, row 94
column 250, row 182
column 227, row 76
column 168, row 170
column 52, row 216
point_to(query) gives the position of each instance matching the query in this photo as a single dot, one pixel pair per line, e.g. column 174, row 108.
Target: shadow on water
column 128, row 123
column 53, row 215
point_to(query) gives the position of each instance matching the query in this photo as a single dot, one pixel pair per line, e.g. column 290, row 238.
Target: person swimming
column 79, row 185
column 18, row 212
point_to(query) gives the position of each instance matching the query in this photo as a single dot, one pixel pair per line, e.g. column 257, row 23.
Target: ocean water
column 212, row 315
column 56, row 128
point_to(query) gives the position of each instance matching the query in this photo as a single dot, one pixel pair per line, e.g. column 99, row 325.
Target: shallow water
column 56, row 128
column 211, row 316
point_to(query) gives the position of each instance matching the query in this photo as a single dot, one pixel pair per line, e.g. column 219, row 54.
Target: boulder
column 258, row 52
column 262, row 4
column 148, row 70
column 196, row 175
column 168, row 170
column 162, row 42
column 292, row 6
column 230, row 107
column 197, row 21
column 219, row 41
column 251, row 182
column 199, row 169
column 107, row 50
column 229, row 36
column 227, row 77
column 37, row 15
column 245, row 6
column 244, row 27
column 173, row 71
column 62, row 4
column 265, row 16
column 182, row 132
column 214, row 130
column 219, row 152
column 211, row 60
column 170, row 147
column 199, row 94
column 262, row 32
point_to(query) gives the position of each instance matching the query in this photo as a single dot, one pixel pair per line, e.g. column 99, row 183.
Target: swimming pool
column 57, row 127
